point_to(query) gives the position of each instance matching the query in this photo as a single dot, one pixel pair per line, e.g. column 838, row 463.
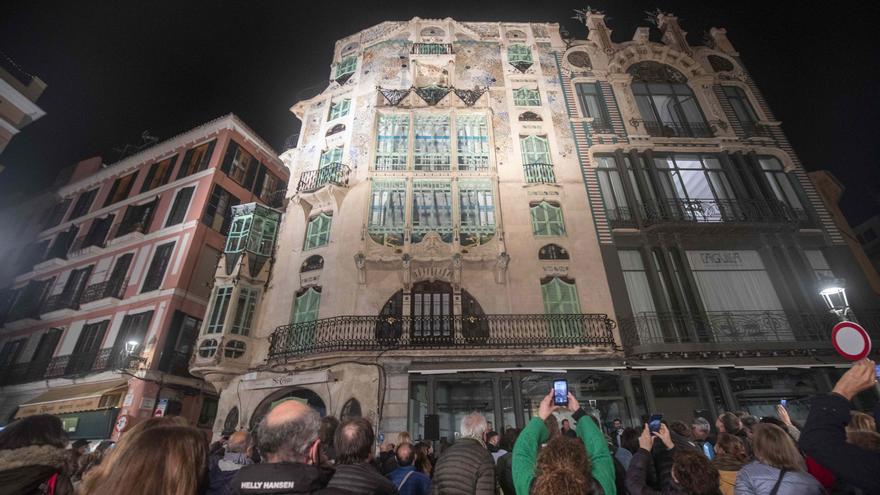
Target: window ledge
column 49, row 264
column 126, row 238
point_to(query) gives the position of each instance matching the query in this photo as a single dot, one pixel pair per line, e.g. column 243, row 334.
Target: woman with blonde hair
column 778, row 467
column 860, row 421
column 171, row 460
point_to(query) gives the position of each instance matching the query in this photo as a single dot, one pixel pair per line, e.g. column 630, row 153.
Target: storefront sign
column 59, row 407
column 129, row 399
column 147, row 402
column 160, row 409
column 287, row 380
column 725, row 260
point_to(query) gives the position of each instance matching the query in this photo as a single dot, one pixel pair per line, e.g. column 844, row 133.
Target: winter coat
column 465, row 468
column 361, row 479
column 283, row 478
column 824, row 440
column 418, row 483
column 221, row 473
column 758, row 479
column 525, row 454
column 728, row 466
column 623, row 456
column 637, row 474
column 27, row 470
column 504, row 473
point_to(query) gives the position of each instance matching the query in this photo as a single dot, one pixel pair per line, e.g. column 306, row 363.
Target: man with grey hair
column 700, row 429
column 288, row 441
column 466, row 468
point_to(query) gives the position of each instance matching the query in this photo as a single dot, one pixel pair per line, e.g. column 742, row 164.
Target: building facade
column 476, row 209
column 100, row 321
column 19, row 92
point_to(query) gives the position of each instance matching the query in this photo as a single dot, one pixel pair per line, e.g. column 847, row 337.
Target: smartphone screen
column 877, row 370
column 654, row 422
column 560, row 392
column 784, row 402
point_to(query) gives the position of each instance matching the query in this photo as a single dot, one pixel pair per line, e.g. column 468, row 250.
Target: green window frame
column 561, row 298
column 519, row 53
column 392, row 142
column 547, row 220
column 476, row 212
column 244, row 310
column 331, row 155
column 537, row 162
column 346, row 66
column 339, row 108
column 238, row 234
column 262, row 238
column 303, row 314
column 317, row 231
column 526, row 97
column 472, row 133
column 387, row 220
column 431, row 208
column 432, row 148
column 222, row 297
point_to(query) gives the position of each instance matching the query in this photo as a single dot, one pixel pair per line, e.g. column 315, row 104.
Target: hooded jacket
column 728, row 466
column 224, row 470
column 27, row 470
column 758, row 479
column 283, row 478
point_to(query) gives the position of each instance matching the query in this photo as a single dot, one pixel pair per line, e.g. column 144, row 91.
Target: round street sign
column 121, row 423
column 851, row 340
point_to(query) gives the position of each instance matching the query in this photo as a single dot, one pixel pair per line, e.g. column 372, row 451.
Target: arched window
column 314, row 262
column 302, row 319
column 231, row 423
column 537, row 163
column 530, row 117
column 553, row 252
column 720, row 64
column 317, row 231
column 351, row 410
column 667, row 104
column 336, row 129
column 547, row 219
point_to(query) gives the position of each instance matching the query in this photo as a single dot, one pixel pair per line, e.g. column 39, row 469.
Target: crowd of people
column 296, row 451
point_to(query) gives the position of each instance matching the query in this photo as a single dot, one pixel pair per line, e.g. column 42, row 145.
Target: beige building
column 18, row 95
column 437, row 224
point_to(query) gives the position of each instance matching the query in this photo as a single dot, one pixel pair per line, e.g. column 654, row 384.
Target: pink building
column 100, row 323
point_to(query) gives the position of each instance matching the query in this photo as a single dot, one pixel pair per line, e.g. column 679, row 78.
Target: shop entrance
column 303, row 395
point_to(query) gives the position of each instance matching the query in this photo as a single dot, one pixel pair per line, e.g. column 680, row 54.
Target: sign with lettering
column 725, row 260
column 59, row 407
column 287, row 380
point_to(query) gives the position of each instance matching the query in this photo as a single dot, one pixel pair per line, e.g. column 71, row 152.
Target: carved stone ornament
column 394, row 96
column 655, row 72
column 360, row 261
column 580, row 59
column 501, row 264
column 432, row 94
column 470, row 96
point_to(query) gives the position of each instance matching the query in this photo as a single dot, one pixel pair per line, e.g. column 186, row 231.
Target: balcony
column 89, row 362
column 678, row 129
column 621, row 217
column 755, row 129
column 87, row 241
column 381, row 333
column 431, row 49
column 126, row 228
column 103, row 290
column 717, row 211
column 275, row 199
column 23, row 372
column 333, row 173
column 728, row 332
column 28, row 308
column 61, row 301
column 601, row 126
column 539, row 173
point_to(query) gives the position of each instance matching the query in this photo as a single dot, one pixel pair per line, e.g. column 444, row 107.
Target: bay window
column 477, row 212
column 388, row 212
column 222, row 297
column 698, row 187
column 432, row 148
column 472, row 133
column 432, row 209
column 392, row 142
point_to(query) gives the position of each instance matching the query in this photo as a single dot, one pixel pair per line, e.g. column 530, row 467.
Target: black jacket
column 637, row 474
column 26, row 470
column 361, row 479
column 824, row 439
column 504, row 473
column 465, row 468
column 285, row 478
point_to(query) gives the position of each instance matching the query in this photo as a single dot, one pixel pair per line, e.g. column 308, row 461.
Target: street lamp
column 131, row 346
column 834, row 295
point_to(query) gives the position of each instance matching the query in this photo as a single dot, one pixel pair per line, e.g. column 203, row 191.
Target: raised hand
column 782, row 412
column 573, row 404
column 859, row 378
column 646, row 441
column 546, row 408
column 665, row 436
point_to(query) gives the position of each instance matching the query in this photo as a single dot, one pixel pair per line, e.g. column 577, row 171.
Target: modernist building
column 473, row 206
column 18, row 95
column 715, row 241
column 101, row 320
column 438, row 254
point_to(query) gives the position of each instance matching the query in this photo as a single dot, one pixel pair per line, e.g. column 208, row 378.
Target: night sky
column 117, row 68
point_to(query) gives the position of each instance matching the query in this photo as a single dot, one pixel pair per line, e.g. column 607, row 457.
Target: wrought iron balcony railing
column 678, row 129
column 275, row 199
column 602, row 126
column 376, row 333
column 103, row 290
column 732, row 330
column 89, row 362
column 65, row 300
column 539, row 172
column 125, row 228
column 23, row 372
column 431, row 49
column 717, row 211
column 621, row 217
column 27, row 308
column 333, row 173
column 86, row 241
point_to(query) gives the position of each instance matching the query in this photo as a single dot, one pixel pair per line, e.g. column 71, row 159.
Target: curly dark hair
column 562, row 468
column 695, row 474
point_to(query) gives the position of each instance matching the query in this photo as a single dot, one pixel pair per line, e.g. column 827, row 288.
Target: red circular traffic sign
column 851, row 340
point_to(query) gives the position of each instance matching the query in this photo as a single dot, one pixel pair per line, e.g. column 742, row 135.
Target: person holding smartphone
column 824, row 436
column 567, row 457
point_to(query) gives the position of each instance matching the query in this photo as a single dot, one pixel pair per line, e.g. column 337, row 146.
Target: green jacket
column 525, row 454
